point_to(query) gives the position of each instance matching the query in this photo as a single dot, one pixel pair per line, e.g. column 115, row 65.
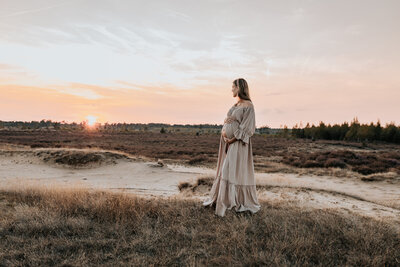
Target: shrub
column 363, row 170
column 312, row 164
column 37, row 145
column 184, row 185
column 197, row 159
column 333, row 162
column 321, row 158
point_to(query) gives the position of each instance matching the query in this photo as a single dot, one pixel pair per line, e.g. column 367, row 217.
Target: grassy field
column 76, row 227
column 81, row 227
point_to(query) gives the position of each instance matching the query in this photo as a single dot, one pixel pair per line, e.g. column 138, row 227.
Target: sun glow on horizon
column 91, row 120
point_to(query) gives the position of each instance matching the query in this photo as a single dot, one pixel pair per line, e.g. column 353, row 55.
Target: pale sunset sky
column 174, row 61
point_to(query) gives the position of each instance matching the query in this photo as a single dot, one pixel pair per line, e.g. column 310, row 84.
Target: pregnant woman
column 234, row 185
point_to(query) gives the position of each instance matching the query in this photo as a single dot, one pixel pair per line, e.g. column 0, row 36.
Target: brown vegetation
column 269, row 151
column 362, row 162
column 77, row 227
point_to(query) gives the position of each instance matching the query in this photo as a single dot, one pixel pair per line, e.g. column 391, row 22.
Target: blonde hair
column 243, row 88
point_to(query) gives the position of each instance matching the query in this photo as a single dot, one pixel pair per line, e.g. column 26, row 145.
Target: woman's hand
column 228, row 142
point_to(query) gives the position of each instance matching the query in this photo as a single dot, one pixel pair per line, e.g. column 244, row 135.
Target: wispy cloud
column 85, row 93
column 33, row 10
column 178, row 15
column 79, row 90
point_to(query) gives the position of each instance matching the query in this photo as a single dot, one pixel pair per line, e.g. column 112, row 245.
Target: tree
column 352, row 132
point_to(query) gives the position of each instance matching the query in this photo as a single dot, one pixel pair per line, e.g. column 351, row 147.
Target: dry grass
column 206, row 181
column 76, row 227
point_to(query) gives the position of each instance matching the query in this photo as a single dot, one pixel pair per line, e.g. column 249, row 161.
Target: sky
column 175, row 61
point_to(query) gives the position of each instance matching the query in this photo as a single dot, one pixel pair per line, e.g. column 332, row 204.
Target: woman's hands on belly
column 224, row 133
column 225, row 137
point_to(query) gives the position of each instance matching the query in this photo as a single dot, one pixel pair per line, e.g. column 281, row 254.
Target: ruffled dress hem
column 228, row 195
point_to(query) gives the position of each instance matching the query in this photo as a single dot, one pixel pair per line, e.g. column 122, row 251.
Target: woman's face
column 235, row 90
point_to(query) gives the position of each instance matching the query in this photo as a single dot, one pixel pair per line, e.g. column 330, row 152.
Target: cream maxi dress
column 234, row 184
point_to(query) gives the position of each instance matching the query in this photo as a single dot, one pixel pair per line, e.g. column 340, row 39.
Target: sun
column 91, row 120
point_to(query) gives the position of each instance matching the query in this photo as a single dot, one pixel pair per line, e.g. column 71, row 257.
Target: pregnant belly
column 230, row 128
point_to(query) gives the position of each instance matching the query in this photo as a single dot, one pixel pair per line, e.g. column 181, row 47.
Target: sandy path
column 384, row 192
column 21, row 166
column 131, row 175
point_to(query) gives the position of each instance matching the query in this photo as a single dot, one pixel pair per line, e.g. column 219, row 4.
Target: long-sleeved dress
column 234, row 184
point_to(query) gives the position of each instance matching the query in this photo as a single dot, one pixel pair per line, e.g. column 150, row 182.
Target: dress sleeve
column 247, row 126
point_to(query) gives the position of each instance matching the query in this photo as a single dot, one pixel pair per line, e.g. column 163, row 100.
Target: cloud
column 81, row 92
column 130, row 85
column 13, row 73
column 29, row 11
column 178, row 15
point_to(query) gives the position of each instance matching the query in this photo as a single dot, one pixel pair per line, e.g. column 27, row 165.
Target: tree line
column 351, row 132
column 49, row 124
